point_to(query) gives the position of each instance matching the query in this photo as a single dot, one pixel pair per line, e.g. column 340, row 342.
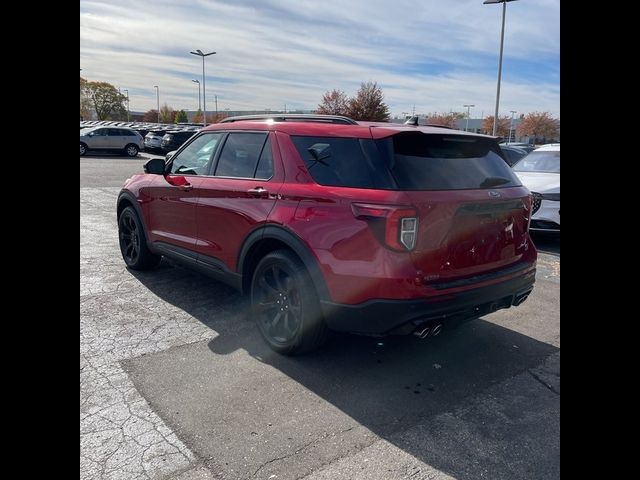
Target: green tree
column 333, row 103
column 105, row 99
column 181, row 117
column 368, row 104
column 166, row 114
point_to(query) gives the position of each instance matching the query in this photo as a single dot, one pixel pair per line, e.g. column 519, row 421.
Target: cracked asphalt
column 175, row 382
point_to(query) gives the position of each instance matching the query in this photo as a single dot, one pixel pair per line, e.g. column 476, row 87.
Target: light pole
column 158, row 100
column 204, row 98
column 127, row 103
column 199, row 104
column 511, row 126
column 504, row 11
column 468, row 107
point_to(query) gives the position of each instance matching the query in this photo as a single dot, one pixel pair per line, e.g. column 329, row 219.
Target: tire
column 131, row 150
column 83, row 149
column 285, row 306
column 133, row 242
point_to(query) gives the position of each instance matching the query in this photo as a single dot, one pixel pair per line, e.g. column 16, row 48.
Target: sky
column 427, row 55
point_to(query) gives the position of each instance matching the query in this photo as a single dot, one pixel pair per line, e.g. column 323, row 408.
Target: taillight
column 400, row 224
column 528, row 207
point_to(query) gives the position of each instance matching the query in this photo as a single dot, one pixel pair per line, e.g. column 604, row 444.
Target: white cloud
column 435, row 54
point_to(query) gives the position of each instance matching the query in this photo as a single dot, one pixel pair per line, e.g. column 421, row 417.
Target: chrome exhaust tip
column 422, row 333
column 436, row 330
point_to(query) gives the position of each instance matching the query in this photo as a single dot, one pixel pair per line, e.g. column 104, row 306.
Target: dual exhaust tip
column 424, row 332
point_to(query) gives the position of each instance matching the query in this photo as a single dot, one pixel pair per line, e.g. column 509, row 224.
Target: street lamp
column 468, row 107
column 158, row 100
column 504, row 11
column 204, row 98
column 511, row 126
column 127, row 103
column 199, row 105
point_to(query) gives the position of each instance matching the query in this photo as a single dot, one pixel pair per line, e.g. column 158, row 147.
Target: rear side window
column 344, row 162
column 240, row 154
column 420, row 161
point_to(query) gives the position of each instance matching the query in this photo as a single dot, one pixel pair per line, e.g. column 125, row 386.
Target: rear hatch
column 472, row 210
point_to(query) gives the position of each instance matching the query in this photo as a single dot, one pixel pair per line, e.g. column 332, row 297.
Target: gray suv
column 111, row 138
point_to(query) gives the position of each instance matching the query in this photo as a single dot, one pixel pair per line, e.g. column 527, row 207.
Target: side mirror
column 320, row 152
column 169, row 155
column 154, row 166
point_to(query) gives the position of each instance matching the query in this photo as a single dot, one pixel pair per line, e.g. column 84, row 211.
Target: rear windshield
column 445, row 162
column 541, row 161
column 406, row 161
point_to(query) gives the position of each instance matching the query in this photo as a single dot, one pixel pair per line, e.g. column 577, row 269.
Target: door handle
column 258, row 192
column 186, row 187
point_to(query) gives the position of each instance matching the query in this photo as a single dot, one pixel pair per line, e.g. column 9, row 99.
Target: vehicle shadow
column 391, row 384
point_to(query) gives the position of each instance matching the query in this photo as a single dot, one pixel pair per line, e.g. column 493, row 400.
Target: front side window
column 240, row 154
column 196, row 157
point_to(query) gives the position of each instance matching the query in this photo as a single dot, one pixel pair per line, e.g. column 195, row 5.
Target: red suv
column 332, row 224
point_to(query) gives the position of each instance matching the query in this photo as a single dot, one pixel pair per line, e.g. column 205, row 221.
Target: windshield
column 548, row 162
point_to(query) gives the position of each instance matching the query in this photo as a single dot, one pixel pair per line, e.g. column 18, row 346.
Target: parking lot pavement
column 176, row 383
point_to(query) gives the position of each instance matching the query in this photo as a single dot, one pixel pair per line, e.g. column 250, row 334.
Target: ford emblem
column 494, row 194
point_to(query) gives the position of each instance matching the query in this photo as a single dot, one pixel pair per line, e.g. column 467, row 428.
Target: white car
column 540, row 173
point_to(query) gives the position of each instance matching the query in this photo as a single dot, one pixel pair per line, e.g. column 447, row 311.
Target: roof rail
column 300, row 117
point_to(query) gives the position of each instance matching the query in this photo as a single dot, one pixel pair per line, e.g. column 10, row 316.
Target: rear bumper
column 381, row 317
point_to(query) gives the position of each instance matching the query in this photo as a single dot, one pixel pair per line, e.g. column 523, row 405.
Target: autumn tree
column 85, row 102
column 539, row 125
column 368, row 104
column 166, row 114
column 150, row 116
column 334, row 102
column 105, row 100
column 181, row 117
column 211, row 117
column 502, row 129
column 446, row 119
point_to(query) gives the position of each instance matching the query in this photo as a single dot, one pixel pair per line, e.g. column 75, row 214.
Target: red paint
column 217, row 214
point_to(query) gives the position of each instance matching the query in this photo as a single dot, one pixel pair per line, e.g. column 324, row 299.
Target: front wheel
column 285, row 305
column 83, row 149
column 133, row 242
column 131, row 150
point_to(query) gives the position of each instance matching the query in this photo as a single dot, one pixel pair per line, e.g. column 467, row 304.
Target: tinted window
column 264, row 169
column 196, row 157
column 548, row 161
column 240, row 154
column 115, row 132
column 445, row 162
column 346, row 162
column 101, row 132
column 128, row 133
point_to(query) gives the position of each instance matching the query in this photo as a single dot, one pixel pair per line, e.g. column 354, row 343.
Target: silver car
column 111, row 138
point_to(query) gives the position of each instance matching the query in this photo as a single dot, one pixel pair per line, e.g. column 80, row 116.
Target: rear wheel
column 131, row 150
column 285, row 305
column 133, row 242
column 83, row 149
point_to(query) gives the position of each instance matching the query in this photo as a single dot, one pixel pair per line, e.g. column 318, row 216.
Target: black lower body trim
column 212, row 267
column 382, row 317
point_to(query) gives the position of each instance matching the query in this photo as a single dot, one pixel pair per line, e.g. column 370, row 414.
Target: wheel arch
column 269, row 238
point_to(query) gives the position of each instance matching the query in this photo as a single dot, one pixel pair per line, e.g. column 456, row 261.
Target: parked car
column 174, row 139
column 527, row 147
column 153, row 140
column 331, row 224
column 110, row 138
column 540, row 173
column 512, row 154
